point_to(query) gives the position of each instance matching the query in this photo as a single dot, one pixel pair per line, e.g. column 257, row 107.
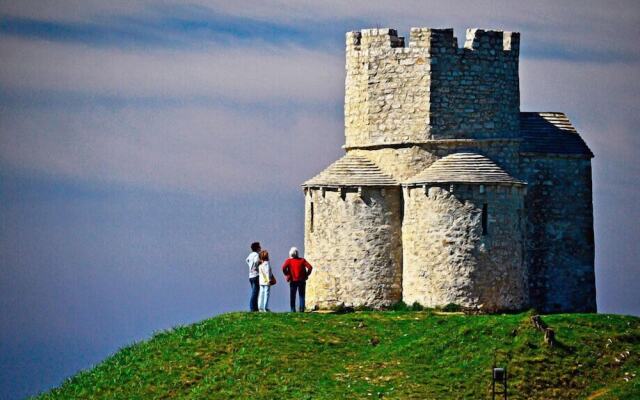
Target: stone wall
column 431, row 89
column 354, row 245
column 560, row 246
column 474, row 90
column 403, row 162
column 386, row 89
column 448, row 259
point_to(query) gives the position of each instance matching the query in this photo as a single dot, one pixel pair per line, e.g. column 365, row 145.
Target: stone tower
column 448, row 193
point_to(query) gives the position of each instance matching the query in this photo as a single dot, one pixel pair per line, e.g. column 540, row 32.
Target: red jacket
column 296, row 269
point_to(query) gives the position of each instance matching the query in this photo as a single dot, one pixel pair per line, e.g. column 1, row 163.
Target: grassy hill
column 369, row 355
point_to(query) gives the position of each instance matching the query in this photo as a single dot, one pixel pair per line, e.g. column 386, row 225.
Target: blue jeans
column 263, row 298
column 300, row 287
column 255, row 288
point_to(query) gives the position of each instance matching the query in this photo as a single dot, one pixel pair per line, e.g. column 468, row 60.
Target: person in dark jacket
column 296, row 270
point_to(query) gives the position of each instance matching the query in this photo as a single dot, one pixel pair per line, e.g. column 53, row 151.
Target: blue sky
column 144, row 144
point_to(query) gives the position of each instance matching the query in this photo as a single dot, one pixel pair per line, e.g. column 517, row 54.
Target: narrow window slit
column 485, row 219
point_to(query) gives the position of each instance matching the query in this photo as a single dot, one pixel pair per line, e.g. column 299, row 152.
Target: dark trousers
column 255, row 289
column 300, row 287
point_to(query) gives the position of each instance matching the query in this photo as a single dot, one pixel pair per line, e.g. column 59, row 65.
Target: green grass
column 420, row 355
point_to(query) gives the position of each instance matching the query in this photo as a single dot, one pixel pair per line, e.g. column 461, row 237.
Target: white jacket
column 252, row 262
column 265, row 273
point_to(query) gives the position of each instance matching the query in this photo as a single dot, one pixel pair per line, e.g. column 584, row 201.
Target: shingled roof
column 550, row 132
column 352, row 170
column 464, row 168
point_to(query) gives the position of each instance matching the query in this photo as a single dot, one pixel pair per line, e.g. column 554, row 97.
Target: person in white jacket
column 266, row 278
column 253, row 260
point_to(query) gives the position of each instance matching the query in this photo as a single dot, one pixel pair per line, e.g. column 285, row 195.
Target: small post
column 500, row 376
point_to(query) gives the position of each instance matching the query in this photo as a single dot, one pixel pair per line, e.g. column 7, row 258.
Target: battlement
column 436, row 40
column 483, row 40
column 430, row 38
column 372, row 38
column 430, row 88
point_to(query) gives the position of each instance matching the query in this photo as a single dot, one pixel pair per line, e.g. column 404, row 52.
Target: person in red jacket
column 296, row 270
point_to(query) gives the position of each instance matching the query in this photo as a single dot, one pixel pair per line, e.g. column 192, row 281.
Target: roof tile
column 551, row 133
column 352, row 170
column 464, row 168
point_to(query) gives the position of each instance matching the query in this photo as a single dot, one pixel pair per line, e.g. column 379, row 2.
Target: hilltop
column 365, row 355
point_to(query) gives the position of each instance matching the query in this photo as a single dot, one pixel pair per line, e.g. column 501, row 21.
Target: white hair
column 293, row 252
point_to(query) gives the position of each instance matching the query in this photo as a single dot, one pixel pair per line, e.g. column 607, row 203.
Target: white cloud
column 587, row 26
column 248, row 74
column 192, row 148
column 599, row 97
column 70, row 10
column 607, row 25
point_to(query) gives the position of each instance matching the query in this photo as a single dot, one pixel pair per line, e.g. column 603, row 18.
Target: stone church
column 447, row 192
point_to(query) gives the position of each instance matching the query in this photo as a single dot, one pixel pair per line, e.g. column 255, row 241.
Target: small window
column 485, row 219
column 311, row 218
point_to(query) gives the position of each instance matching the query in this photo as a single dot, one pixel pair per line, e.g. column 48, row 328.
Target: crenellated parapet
column 487, row 41
column 430, row 89
column 437, row 40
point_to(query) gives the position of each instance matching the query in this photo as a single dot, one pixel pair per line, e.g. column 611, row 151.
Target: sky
column 144, row 145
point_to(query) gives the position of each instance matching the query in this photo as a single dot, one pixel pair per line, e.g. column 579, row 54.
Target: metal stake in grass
column 499, row 376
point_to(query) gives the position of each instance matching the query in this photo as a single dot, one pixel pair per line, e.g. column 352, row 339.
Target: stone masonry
column 463, row 241
column 448, row 193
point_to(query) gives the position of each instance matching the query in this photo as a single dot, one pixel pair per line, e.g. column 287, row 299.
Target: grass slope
column 420, row 355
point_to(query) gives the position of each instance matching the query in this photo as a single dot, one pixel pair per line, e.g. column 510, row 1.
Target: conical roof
column 352, row 170
column 463, row 168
